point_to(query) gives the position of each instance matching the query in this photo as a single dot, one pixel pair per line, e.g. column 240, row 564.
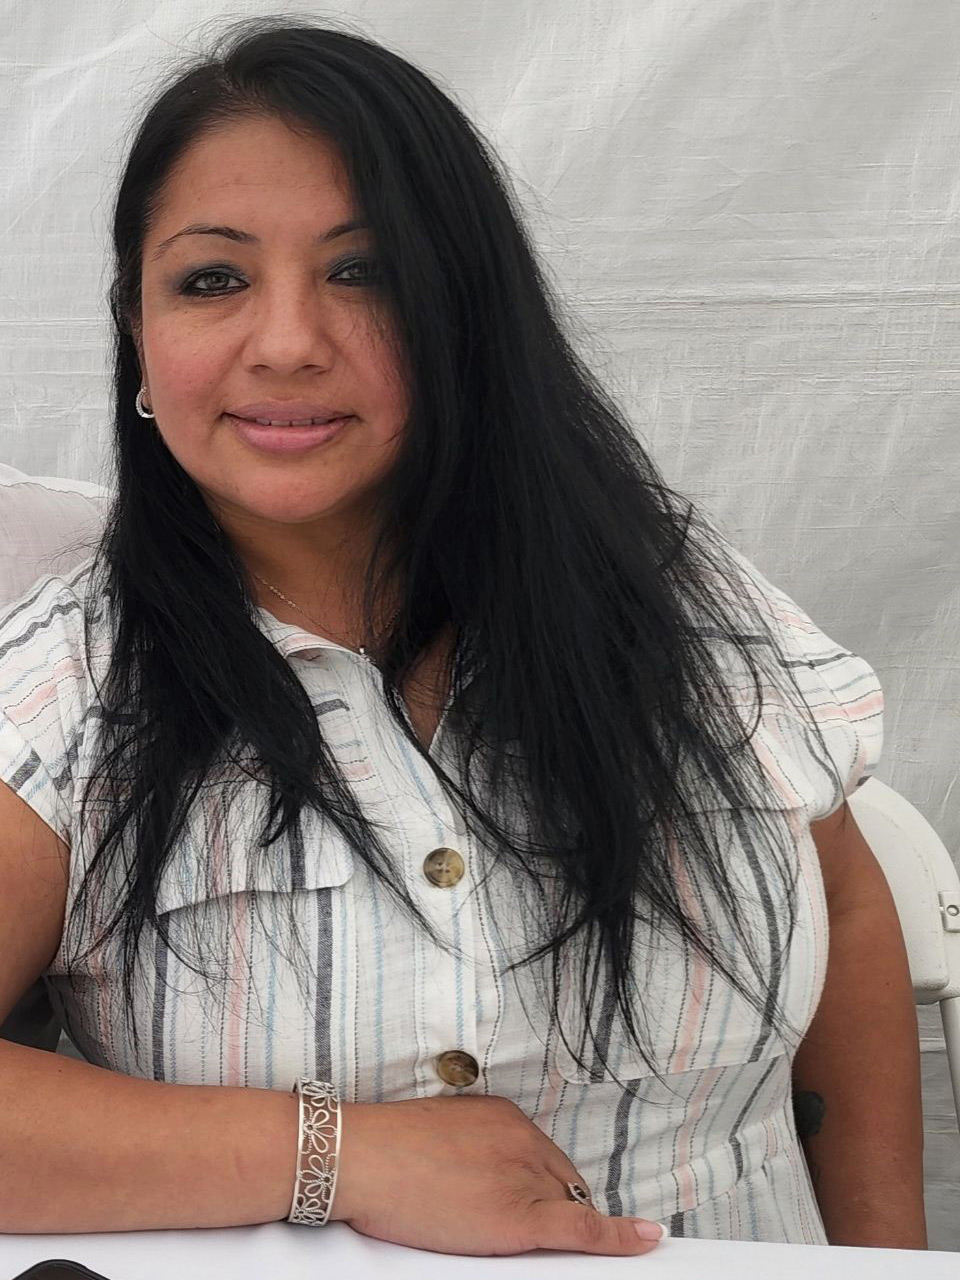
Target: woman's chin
column 285, row 511
column 267, row 504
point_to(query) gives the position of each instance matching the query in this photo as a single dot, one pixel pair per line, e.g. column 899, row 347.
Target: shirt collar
column 290, row 638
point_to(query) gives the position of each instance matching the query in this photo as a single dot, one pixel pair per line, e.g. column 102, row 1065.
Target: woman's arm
column 856, row 1076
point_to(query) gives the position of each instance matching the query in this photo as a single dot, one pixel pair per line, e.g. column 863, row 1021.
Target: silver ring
column 578, row 1193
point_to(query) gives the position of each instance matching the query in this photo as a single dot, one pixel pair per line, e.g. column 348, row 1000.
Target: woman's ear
column 139, row 345
column 136, row 334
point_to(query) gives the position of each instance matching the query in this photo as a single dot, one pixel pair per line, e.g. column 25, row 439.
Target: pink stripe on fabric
column 693, row 1013
column 41, row 694
column 771, row 767
column 692, row 1007
column 216, row 822
column 858, row 710
column 236, row 1032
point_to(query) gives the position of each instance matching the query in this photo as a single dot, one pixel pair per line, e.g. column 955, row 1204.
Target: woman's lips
column 286, row 439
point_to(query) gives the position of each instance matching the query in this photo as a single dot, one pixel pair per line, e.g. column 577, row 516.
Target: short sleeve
column 42, row 695
column 842, row 695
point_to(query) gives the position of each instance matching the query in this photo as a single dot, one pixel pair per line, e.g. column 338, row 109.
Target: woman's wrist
column 318, row 1151
column 291, row 1119
column 354, row 1136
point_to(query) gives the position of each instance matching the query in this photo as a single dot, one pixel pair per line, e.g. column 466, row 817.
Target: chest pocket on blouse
column 217, row 856
column 691, row 1017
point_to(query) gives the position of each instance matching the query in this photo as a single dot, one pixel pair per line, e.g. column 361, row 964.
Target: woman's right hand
column 467, row 1175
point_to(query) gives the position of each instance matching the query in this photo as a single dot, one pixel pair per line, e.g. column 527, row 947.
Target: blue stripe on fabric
column 159, row 996
column 174, row 1003
column 271, row 1007
column 343, row 991
column 39, row 785
column 203, row 1052
column 575, row 1120
column 378, row 998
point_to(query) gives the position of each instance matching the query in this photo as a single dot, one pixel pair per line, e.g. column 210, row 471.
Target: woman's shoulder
column 76, row 582
column 49, row 621
column 840, row 692
column 45, row 689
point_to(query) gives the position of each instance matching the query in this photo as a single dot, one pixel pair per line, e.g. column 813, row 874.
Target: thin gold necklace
column 362, row 650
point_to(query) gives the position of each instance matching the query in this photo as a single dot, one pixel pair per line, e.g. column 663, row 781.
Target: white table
column 283, row 1252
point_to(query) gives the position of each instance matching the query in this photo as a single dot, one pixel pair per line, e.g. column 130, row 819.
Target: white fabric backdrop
column 751, row 210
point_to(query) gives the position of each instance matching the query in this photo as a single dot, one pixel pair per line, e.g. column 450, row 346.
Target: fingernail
column 650, row 1230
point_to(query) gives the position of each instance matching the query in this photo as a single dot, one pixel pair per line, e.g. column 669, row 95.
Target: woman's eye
column 190, row 285
column 367, row 277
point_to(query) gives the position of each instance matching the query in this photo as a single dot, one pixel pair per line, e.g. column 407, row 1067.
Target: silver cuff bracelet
column 318, row 1151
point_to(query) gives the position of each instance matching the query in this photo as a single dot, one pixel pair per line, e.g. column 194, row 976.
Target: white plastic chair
column 926, row 889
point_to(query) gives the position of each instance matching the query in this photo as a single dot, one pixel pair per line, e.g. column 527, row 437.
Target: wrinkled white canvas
column 750, row 211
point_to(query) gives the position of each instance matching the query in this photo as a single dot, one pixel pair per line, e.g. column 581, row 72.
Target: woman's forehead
column 251, row 164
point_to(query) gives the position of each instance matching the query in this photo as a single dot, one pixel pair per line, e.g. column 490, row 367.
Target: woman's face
column 282, row 316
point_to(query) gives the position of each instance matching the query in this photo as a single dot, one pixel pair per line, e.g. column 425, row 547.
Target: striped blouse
column 390, row 1015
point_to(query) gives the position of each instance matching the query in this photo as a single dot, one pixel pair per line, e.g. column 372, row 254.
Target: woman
column 441, row 683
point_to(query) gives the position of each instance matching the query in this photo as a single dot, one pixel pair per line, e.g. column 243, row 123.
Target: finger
column 573, row 1187
column 565, row 1173
column 563, row 1224
column 579, row 1193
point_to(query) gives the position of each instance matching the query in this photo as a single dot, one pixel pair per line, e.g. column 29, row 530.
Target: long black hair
column 590, row 603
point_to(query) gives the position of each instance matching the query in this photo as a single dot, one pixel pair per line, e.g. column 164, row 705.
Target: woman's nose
column 290, row 327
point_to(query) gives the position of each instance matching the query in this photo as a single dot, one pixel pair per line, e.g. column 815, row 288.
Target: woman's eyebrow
column 245, row 237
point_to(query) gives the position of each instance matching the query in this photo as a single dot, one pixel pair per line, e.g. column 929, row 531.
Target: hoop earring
column 139, row 402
